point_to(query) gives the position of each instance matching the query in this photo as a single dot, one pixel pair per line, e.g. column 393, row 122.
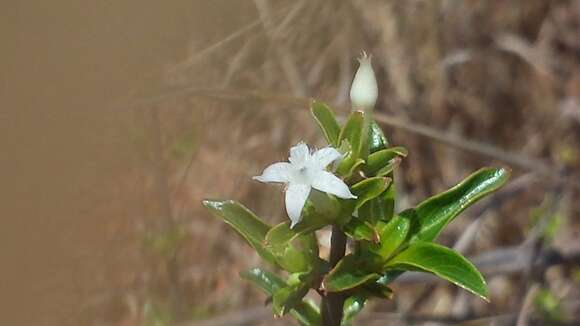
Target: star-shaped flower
column 305, row 171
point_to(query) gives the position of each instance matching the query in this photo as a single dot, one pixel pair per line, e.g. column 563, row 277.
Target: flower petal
column 296, row 196
column 277, row 172
column 325, row 156
column 329, row 183
column 299, row 154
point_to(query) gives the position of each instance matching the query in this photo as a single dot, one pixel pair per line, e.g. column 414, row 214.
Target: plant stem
column 332, row 303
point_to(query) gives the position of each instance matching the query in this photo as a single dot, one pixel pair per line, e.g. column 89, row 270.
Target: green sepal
column 326, row 120
column 438, row 211
column 246, row 223
column 443, row 262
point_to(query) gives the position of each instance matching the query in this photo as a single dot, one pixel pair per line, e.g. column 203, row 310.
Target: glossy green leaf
column 267, row 281
column 352, row 132
column 351, row 271
column 353, row 305
column 392, row 236
column 436, row 212
column 380, row 208
column 369, row 188
column 378, row 290
column 389, row 276
column 292, row 259
column 349, row 166
column 305, row 312
column 288, row 298
column 443, row 262
column 378, row 160
column 377, row 140
column 326, row 121
column 358, row 230
column 389, row 168
column 246, row 223
column 282, row 234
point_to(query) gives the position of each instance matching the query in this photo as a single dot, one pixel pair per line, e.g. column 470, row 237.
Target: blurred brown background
column 117, row 118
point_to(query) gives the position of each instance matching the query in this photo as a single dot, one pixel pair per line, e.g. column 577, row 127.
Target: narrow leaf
column 436, row 212
column 326, row 121
column 443, row 262
column 244, row 222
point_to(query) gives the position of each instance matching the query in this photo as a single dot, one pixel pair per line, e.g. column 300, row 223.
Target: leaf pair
column 405, row 241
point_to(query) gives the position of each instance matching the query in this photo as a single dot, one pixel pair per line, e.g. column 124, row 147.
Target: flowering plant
column 349, row 186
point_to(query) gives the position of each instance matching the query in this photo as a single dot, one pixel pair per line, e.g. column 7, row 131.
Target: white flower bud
column 364, row 90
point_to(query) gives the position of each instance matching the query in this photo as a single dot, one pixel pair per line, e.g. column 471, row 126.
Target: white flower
column 364, row 90
column 304, row 172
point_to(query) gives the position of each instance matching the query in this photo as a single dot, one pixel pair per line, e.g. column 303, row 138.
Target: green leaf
column 369, row 189
column 288, row 298
column 378, row 160
column 351, row 271
column 305, row 312
column 389, row 168
column 436, row 212
column 349, row 166
column 360, row 230
column 392, row 236
column 378, row 290
column 389, row 276
column 295, row 260
column 377, row 140
column 380, row 208
column 443, row 262
column 326, row 121
column 244, row 222
column 353, row 305
column 352, row 132
column 267, row 281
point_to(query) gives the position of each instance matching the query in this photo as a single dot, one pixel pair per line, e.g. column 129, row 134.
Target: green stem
column 332, row 304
